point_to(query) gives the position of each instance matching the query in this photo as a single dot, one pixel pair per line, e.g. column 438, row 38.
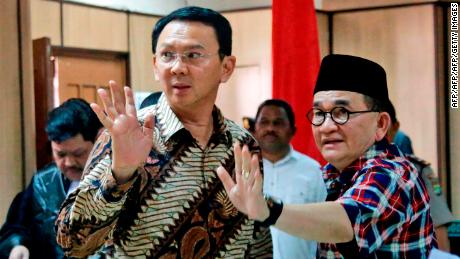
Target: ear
column 228, row 65
column 155, row 68
column 383, row 125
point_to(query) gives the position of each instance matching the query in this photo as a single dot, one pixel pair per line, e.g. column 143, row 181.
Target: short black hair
column 198, row 14
column 281, row 104
column 375, row 104
column 71, row 118
column 392, row 112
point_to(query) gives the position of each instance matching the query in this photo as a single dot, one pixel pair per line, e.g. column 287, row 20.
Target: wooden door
column 81, row 77
column 62, row 73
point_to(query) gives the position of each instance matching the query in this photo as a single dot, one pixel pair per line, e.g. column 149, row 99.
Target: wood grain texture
column 11, row 169
column 86, row 27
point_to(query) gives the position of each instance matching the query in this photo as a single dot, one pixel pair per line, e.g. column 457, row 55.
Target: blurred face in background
column 71, row 156
column 273, row 130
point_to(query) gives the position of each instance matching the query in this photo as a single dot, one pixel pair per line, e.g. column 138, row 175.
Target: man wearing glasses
column 150, row 189
column 377, row 205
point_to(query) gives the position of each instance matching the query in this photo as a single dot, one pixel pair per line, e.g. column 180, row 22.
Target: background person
column 72, row 129
column 290, row 176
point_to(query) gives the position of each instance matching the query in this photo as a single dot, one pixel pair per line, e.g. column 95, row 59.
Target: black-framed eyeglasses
column 339, row 115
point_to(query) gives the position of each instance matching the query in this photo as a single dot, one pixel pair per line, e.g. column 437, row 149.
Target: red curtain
column 296, row 61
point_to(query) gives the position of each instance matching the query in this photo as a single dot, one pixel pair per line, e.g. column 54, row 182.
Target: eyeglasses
column 189, row 57
column 339, row 115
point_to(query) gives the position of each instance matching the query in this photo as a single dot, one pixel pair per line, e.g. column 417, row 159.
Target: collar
column 381, row 149
column 290, row 155
column 169, row 124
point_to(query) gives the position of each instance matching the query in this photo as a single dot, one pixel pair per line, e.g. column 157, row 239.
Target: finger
column 107, row 102
column 130, row 105
column 103, row 118
column 237, row 154
column 258, row 182
column 226, row 180
column 149, row 124
column 118, row 97
column 254, row 168
column 246, row 162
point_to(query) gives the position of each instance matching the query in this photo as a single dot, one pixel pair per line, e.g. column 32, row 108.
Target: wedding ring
column 245, row 174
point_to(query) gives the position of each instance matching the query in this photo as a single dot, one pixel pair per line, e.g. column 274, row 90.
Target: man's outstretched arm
column 323, row 222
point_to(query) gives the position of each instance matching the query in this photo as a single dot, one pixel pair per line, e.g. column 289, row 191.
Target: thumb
column 149, row 124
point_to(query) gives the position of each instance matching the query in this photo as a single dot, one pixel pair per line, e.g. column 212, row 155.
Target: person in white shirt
column 290, row 176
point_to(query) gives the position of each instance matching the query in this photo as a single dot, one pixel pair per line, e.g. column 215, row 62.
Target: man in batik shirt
column 150, row 189
column 377, row 204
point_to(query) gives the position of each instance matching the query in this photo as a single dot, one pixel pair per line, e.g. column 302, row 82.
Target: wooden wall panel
column 140, row 49
column 10, row 112
column 48, row 25
column 28, row 95
column 323, row 33
column 86, row 27
column 253, row 74
column 335, row 5
column 454, row 120
column 402, row 41
column 454, row 131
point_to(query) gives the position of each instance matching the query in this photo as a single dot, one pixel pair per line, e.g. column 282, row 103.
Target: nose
column 328, row 125
column 179, row 67
column 69, row 161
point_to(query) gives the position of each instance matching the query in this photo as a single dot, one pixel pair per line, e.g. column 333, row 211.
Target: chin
column 73, row 176
column 331, row 156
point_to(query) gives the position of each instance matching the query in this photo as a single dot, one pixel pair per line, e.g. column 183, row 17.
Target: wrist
column 123, row 175
column 272, row 212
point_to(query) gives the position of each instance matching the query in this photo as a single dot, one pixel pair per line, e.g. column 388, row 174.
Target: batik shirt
column 387, row 205
column 175, row 205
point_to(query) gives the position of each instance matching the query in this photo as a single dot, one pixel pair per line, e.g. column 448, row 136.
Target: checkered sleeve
column 377, row 206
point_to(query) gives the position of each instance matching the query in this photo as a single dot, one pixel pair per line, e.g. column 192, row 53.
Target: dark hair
column 392, row 112
column 198, row 14
column 150, row 100
column 278, row 103
column 71, row 118
column 375, row 104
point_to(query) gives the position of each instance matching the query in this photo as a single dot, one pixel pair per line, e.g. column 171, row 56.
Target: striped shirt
column 387, row 204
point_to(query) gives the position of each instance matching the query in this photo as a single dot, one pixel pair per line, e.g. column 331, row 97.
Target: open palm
column 131, row 142
column 246, row 193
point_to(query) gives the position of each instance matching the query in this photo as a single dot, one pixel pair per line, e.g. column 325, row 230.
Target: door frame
column 43, row 60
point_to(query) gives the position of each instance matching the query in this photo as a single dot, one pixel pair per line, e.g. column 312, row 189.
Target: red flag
column 296, row 61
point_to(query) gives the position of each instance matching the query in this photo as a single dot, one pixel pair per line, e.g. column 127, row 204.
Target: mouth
column 330, row 142
column 181, row 86
column 270, row 136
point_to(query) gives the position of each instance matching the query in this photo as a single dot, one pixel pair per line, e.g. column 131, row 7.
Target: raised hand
column 131, row 142
column 246, row 194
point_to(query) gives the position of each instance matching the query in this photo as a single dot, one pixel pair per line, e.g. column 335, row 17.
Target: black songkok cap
column 354, row 74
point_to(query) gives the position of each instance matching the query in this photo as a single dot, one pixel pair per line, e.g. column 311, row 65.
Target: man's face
column 340, row 145
column 188, row 84
column 272, row 130
column 71, row 155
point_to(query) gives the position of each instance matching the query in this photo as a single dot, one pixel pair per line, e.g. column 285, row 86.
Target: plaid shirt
column 387, row 204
